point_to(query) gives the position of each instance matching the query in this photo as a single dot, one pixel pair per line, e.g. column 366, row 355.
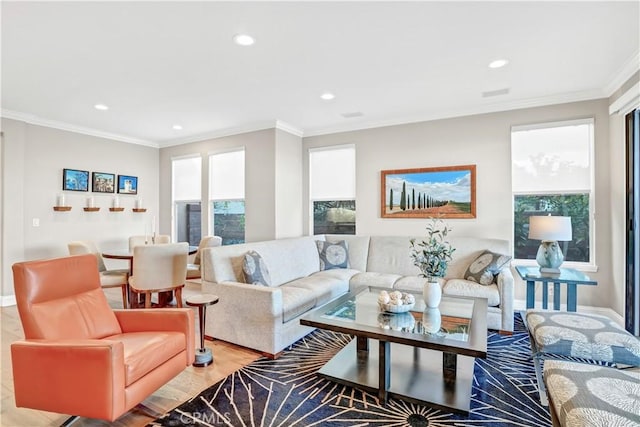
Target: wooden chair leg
column 147, row 300
column 124, row 296
column 179, row 297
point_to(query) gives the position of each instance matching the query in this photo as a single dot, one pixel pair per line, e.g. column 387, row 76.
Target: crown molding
column 220, row 133
column 286, row 127
column 627, row 101
column 631, row 67
column 35, row 120
column 484, row 109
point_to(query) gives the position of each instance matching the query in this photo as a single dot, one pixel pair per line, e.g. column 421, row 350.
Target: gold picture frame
column 444, row 192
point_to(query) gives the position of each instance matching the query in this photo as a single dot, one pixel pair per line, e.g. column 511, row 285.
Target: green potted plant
column 432, row 256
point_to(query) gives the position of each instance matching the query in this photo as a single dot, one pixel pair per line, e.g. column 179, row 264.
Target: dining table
column 127, row 255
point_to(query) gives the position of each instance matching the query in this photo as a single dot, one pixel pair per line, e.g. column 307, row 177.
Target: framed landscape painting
column 445, row 192
column 103, row 182
column 127, row 184
column 75, row 180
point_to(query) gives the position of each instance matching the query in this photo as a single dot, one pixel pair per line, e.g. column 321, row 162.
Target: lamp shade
column 550, row 228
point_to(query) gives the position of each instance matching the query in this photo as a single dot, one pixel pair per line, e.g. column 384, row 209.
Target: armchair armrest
column 506, row 289
column 84, row 376
column 165, row 319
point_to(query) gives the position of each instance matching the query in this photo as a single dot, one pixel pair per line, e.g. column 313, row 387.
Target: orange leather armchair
column 79, row 356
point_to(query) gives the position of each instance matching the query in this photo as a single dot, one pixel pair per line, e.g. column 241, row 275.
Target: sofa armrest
column 166, row 319
column 254, row 301
column 506, row 289
column 84, row 376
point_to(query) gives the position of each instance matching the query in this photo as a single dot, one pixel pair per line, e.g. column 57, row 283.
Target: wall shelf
column 116, row 209
column 91, row 209
column 139, row 209
column 62, row 208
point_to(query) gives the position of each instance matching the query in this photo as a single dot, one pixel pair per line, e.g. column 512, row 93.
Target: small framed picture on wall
column 102, row 182
column 127, row 184
column 75, row 180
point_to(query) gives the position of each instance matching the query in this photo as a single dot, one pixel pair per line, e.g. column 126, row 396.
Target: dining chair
column 159, row 268
column 147, row 240
column 116, row 278
column 193, row 270
column 80, row 357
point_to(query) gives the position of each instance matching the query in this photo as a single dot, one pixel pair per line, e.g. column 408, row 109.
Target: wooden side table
column 204, row 357
column 569, row 276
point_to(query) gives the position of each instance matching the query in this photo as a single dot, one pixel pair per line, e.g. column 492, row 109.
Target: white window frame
column 591, row 265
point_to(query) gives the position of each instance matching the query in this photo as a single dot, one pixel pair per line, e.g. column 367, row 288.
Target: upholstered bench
column 592, row 337
column 591, row 395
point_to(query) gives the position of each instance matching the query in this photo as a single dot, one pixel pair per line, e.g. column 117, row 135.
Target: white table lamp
column 550, row 229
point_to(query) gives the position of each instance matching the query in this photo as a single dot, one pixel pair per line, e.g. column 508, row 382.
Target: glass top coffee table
column 424, row 356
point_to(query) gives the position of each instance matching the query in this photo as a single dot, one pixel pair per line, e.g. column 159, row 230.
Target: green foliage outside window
column 575, row 206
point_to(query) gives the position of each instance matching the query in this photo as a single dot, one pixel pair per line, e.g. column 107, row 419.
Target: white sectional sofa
column 265, row 318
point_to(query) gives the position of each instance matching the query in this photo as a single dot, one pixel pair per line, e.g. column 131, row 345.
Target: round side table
column 204, row 357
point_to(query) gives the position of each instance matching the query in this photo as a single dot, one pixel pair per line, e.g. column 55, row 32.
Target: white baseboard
column 6, row 301
column 521, row 305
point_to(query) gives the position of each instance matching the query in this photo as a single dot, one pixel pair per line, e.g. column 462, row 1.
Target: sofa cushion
column 358, row 247
column 410, row 283
column 333, row 254
column 370, row 278
column 484, row 268
column 323, row 287
column 467, row 288
column 255, row 270
column 295, row 301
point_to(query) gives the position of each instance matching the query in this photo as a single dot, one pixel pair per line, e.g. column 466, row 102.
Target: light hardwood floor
column 227, row 359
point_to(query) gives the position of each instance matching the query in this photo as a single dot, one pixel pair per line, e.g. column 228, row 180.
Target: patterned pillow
column 255, row 270
column 485, row 267
column 333, row 254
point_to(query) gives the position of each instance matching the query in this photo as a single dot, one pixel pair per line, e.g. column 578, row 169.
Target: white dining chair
column 116, row 278
column 148, row 240
column 159, row 268
column 193, row 270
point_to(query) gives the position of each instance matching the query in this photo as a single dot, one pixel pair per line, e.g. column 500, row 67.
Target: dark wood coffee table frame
column 419, row 368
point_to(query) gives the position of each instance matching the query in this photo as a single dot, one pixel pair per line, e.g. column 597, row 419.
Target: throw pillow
column 333, row 254
column 255, row 270
column 485, row 267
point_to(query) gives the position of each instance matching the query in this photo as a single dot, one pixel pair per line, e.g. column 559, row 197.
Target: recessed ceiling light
column 327, row 96
column 101, row 107
column 243, row 39
column 177, row 127
column 498, row 63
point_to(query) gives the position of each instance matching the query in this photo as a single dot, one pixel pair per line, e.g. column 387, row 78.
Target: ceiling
column 157, row 64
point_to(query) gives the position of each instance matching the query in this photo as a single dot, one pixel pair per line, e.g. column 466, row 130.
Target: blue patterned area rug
column 287, row 392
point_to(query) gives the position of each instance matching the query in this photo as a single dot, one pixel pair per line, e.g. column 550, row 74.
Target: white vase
column 432, row 294
column 431, row 320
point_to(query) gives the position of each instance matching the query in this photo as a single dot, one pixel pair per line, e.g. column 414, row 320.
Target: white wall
column 32, row 164
column 288, row 185
column 483, row 140
column 267, row 153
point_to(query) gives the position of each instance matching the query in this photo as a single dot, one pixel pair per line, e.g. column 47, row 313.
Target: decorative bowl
column 393, row 308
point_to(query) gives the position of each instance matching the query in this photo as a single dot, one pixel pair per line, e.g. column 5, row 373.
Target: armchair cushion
column 145, row 351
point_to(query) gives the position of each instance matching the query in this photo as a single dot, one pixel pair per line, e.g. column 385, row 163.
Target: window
column 226, row 196
column 332, row 180
column 552, row 173
column 186, row 180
